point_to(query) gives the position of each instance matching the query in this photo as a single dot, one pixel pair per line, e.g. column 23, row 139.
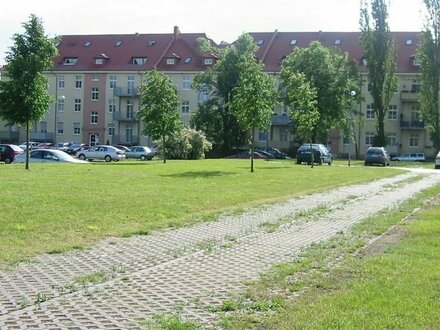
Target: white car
column 139, row 152
column 412, row 157
column 31, row 145
column 47, row 156
column 437, row 161
column 101, row 152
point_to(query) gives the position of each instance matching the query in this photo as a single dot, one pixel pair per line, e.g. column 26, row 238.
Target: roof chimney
column 176, row 32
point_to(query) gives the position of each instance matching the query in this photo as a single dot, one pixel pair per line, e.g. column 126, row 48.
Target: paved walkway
column 187, row 269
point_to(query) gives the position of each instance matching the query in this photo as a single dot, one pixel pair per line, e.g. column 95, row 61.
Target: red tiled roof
column 277, row 45
column 118, row 51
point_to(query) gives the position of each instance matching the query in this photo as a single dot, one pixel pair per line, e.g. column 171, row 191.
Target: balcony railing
column 8, row 136
column 125, row 91
column 280, row 120
column 122, row 139
column 409, row 96
column 412, row 124
column 41, row 137
column 122, row 116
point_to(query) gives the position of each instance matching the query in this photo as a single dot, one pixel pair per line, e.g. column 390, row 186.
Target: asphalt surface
column 188, row 270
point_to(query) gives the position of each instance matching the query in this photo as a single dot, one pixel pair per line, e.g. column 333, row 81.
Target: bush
column 187, row 144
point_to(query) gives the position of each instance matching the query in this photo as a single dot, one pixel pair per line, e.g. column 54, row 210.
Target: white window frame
column 186, row 83
column 130, row 109
column 392, row 112
column 61, row 82
column 78, row 82
column 60, row 127
column 111, row 130
column 208, row 61
column 414, row 140
column 113, row 82
column 76, row 129
column 369, row 138
column 111, row 105
column 78, row 105
column 95, row 94
column 171, row 61
column 60, row 105
column 94, row 117
column 392, row 139
column 369, row 113
column 185, row 107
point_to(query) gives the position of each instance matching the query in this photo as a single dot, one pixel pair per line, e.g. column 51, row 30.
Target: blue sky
column 221, row 20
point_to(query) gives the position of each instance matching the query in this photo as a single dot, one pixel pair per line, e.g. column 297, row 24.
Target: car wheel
column 143, row 157
column 108, row 158
column 82, row 156
column 8, row 160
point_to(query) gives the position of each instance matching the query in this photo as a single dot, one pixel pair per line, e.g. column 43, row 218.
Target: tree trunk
column 164, row 150
column 27, row 145
column 252, row 149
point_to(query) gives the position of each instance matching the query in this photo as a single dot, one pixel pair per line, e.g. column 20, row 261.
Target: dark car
column 377, row 155
column 246, row 155
column 276, row 153
column 321, row 154
column 74, row 148
column 8, row 152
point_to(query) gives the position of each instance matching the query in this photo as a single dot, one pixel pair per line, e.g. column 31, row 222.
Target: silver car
column 101, row 152
column 47, row 156
column 140, row 152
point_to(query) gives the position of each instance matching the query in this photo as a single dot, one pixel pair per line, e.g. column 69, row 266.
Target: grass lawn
column 394, row 284
column 53, row 208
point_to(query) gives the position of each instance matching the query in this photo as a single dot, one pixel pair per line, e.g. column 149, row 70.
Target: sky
column 221, row 20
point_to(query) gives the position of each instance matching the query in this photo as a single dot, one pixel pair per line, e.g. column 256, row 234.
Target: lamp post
column 59, row 98
column 352, row 94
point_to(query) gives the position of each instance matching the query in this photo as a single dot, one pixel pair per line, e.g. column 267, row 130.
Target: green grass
column 54, row 208
column 396, row 287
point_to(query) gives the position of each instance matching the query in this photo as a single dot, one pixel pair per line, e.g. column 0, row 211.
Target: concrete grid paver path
column 186, row 269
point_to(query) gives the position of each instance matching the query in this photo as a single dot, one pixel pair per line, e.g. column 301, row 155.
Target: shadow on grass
column 203, row 174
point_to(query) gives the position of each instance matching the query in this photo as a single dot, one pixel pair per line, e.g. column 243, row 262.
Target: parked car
column 437, row 161
column 44, row 145
column 139, row 152
column 276, row 153
column 121, row 147
column 412, row 157
column 47, row 156
column 61, row 146
column 377, row 155
column 8, row 152
column 101, row 152
column 246, row 155
column 74, row 148
column 321, row 154
column 32, row 145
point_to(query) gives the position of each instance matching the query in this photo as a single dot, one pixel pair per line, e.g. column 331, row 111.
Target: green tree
column 214, row 116
column 428, row 54
column 187, row 144
column 381, row 58
column 158, row 98
column 325, row 77
column 254, row 97
column 23, row 94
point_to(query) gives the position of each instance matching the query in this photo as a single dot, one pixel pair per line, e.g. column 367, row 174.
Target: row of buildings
column 95, row 77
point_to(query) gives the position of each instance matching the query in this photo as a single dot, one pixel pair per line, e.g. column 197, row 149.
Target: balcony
column 122, row 139
column 409, row 96
column 280, row 120
column 413, row 124
column 125, row 91
column 123, row 116
column 41, row 137
column 9, row 137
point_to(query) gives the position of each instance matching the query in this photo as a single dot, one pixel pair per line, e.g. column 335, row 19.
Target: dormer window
column 70, row 60
column 364, row 61
column 415, row 61
column 118, row 43
column 151, row 43
column 408, row 42
column 139, row 60
column 293, row 41
column 208, row 61
column 99, row 61
column 337, row 41
column 260, row 42
column 171, row 61
column 87, row 44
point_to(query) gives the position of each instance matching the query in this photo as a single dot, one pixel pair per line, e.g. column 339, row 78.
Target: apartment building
column 95, row 80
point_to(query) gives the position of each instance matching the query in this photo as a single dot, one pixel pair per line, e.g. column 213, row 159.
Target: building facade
column 95, row 79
